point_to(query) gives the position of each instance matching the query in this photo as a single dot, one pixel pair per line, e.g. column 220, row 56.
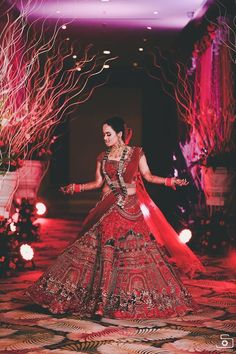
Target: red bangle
column 77, row 188
column 168, row 182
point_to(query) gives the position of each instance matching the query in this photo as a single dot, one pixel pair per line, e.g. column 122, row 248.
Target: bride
column 122, row 264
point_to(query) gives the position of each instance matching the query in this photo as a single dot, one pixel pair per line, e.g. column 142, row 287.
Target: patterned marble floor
column 26, row 328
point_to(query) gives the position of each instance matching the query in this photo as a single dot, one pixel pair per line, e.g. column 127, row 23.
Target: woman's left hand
column 179, row 182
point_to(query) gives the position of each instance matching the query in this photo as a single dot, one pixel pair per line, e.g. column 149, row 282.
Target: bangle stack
column 169, row 182
column 79, row 188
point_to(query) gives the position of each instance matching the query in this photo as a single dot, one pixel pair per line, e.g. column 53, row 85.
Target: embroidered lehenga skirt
column 116, row 267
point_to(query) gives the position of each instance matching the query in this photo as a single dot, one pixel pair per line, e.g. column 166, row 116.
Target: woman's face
column 110, row 136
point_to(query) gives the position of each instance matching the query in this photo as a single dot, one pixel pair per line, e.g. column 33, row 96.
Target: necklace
column 121, row 196
column 116, row 151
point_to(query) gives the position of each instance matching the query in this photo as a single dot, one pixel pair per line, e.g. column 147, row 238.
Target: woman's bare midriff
column 130, row 191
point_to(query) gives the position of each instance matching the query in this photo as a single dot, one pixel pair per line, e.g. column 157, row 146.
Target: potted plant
column 208, row 109
column 34, row 167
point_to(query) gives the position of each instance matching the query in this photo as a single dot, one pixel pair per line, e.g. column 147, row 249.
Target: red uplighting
column 26, row 252
column 185, row 235
column 41, row 208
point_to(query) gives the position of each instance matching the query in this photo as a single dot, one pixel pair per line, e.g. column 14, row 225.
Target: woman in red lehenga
column 120, row 265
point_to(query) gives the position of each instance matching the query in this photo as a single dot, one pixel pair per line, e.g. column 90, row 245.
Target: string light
column 106, row 66
column 63, row 27
column 149, row 27
column 140, row 49
column 74, row 56
column 106, row 52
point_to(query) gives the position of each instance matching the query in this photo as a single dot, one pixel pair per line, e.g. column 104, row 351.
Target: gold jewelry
column 71, row 188
column 116, row 151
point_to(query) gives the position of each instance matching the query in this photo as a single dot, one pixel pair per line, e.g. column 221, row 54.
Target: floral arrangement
column 14, row 232
column 9, row 245
column 37, row 151
column 221, row 159
column 40, row 82
column 213, row 236
column 9, row 160
column 206, row 102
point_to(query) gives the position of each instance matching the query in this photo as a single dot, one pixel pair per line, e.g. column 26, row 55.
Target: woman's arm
column 75, row 188
column 149, row 177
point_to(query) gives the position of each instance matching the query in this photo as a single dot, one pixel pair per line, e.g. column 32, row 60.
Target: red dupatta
column 163, row 232
column 110, row 200
column 179, row 252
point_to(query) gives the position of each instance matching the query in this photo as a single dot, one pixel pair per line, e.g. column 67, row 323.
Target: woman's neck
column 116, row 151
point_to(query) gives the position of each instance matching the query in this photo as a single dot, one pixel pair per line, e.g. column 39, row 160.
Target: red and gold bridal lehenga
column 120, row 265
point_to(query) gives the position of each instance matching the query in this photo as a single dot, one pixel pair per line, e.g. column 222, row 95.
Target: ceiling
column 148, row 14
column 121, row 26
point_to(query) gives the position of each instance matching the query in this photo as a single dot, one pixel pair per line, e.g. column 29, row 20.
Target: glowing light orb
column 41, row 208
column 12, row 227
column 185, row 235
column 106, row 66
column 26, row 252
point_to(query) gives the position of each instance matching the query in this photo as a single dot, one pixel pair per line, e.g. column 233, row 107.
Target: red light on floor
column 185, row 235
column 26, row 252
column 41, row 208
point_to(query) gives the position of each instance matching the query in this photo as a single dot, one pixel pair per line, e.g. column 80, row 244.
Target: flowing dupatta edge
column 165, row 235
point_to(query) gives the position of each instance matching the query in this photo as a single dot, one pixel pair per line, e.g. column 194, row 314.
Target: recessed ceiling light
column 140, row 49
column 106, row 66
column 63, row 26
column 74, row 56
column 106, row 52
column 149, row 27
